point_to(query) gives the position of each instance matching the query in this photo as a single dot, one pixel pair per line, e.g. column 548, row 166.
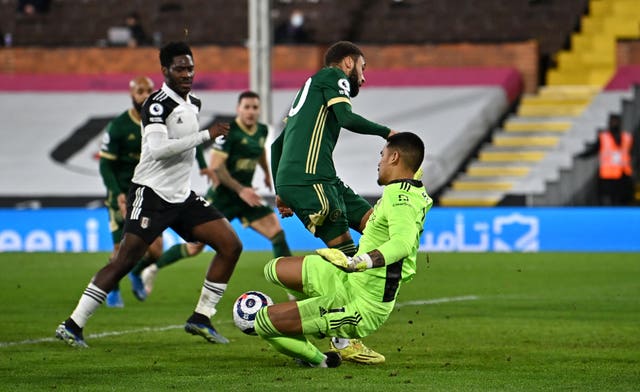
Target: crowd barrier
column 446, row 230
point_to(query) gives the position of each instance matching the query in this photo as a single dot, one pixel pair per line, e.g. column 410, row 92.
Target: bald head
column 140, row 88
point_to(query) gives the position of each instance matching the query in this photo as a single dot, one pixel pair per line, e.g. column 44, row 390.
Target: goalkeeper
column 353, row 297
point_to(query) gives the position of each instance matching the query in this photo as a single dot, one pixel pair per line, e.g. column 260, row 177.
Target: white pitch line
column 170, row 327
column 437, row 301
column 95, row 335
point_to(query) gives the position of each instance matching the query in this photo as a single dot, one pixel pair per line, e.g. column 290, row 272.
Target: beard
column 137, row 106
column 354, row 85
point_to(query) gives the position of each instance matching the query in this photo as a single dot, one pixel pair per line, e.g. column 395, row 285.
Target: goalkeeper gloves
column 349, row 264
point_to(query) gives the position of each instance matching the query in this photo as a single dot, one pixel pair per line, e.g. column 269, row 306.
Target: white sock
column 209, row 297
column 340, row 343
column 91, row 299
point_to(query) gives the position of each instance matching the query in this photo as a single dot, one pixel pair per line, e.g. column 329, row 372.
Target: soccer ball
column 246, row 307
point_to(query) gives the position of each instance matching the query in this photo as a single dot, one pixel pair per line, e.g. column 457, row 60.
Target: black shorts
column 148, row 215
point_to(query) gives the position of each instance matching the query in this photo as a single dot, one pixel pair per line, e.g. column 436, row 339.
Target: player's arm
column 154, row 117
column 356, row 123
column 202, row 163
column 247, row 194
column 161, row 147
column 262, row 161
column 108, row 157
column 403, row 229
column 204, row 169
column 276, row 153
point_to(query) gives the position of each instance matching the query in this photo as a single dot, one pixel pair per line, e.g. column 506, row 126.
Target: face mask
column 297, row 20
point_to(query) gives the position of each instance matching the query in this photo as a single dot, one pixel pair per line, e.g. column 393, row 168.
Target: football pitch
column 467, row 322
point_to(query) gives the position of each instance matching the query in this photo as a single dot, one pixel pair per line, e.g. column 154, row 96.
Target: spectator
column 138, row 35
column 32, row 7
column 292, row 31
column 615, row 174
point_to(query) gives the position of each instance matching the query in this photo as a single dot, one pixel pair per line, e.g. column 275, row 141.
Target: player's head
column 349, row 57
column 615, row 123
column 400, row 158
column 140, row 88
column 176, row 60
column 248, row 109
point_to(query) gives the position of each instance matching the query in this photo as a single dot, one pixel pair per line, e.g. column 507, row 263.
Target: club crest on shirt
column 335, row 215
column 144, row 222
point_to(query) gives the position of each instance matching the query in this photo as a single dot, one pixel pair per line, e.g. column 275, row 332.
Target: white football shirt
column 170, row 133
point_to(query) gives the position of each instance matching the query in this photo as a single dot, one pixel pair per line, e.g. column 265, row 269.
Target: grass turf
column 513, row 322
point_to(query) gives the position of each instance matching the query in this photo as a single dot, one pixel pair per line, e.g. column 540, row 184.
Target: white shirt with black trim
column 170, row 133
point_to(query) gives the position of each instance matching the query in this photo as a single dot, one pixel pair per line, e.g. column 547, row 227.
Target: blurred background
column 509, row 96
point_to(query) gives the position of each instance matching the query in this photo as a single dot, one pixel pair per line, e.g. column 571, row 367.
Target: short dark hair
column 171, row 50
column 410, row 146
column 247, row 94
column 340, row 50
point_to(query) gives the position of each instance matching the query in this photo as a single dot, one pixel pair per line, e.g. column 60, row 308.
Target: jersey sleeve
column 109, row 152
column 202, row 163
column 276, row 153
column 335, row 89
column 110, row 146
column 336, row 92
column 404, row 222
column 356, row 123
column 222, row 145
column 154, row 112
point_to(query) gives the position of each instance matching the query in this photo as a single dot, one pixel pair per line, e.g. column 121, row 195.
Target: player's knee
column 270, row 273
column 263, row 325
column 231, row 249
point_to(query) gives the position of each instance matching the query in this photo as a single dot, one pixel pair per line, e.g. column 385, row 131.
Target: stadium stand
column 529, row 152
column 530, row 160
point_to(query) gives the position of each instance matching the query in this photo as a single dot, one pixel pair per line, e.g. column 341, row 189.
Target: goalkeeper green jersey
column 119, row 155
column 243, row 148
column 302, row 154
column 394, row 229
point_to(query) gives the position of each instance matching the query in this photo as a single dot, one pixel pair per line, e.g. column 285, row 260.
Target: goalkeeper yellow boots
column 357, row 352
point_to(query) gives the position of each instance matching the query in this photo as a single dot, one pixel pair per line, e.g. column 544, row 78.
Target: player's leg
column 357, row 211
column 203, row 223
column 116, row 225
column 152, row 254
column 131, row 249
column 138, row 234
column 170, row 256
column 285, row 325
column 264, row 221
column 321, row 209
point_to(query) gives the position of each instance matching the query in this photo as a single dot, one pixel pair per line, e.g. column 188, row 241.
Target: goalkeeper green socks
column 293, row 346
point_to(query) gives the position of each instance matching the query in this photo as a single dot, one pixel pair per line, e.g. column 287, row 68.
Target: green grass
column 540, row 322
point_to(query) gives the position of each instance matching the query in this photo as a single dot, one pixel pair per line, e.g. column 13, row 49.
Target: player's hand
column 342, row 261
column 211, row 176
column 122, row 204
column 249, row 196
column 267, row 182
column 283, row 209
column 218, row 129
column 393, row 132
